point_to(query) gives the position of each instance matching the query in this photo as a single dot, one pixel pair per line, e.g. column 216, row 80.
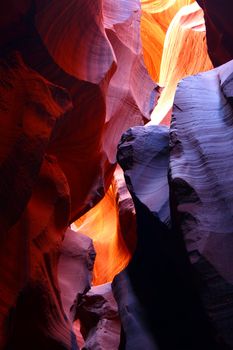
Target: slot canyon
column 116, row 209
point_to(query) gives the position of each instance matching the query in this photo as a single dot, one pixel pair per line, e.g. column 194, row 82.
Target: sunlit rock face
column 200, row 175
column 185, row 41
column 173, row 36
column 112, row 226
column 101, row 224
column 155, row 20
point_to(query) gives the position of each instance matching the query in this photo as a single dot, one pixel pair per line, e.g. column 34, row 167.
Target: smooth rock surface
column 159, row 273
column 185, row 41
column 201, row 163
column 75, row 269
column 135, row 333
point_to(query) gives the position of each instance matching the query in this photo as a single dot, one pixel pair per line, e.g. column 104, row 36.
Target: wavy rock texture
column 155, row 20
column 31, row 311
column 82, row 22
column 200, row 164
column 76, row 83
column 100, row 324
column 119, row 26
column 185, row 41
column 93, row 83
column 157, row 6
column 219, row 29
column 173, row 36
column 30, row 107
column 34, row 194
column 131, row 81
column 143, row 155
column 63, row 111
column 169, row 302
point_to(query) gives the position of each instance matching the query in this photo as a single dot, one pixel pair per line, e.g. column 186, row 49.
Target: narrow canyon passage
column 115, row 175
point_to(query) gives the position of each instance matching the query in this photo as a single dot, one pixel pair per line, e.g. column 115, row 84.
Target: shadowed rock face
column 126, row 210
column 218, row 29
column 200, row 173
column 98, row 59
column 135, row 332
column 159, row 279
column 100, row 323
column 61, row 117
column 143, row 155
column 30, row 106
column 35, row 207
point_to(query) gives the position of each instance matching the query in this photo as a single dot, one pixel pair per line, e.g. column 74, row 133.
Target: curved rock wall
column 72, row 81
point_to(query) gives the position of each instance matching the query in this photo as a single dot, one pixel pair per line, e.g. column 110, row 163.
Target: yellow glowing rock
column 155, row 6
column 101, row 223
column 184, row 53
column 156, row 17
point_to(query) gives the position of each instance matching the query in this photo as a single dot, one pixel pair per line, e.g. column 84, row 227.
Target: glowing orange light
column 101, row 223
column 181, row 48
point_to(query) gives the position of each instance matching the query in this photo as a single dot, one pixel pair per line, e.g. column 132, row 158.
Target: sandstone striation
column 87, row 259
column 65, row 95
column 200, row 167
column 170, row 302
